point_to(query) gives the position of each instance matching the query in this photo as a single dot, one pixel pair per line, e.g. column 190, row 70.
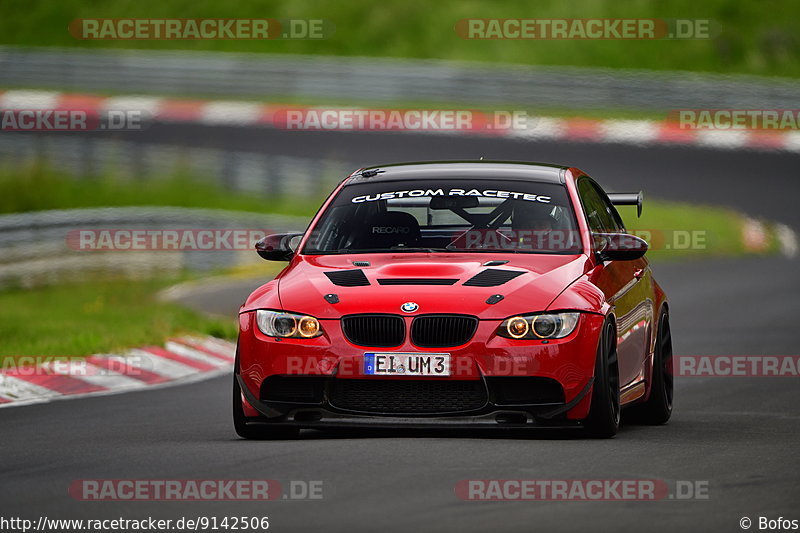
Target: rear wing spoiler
column 628, row 198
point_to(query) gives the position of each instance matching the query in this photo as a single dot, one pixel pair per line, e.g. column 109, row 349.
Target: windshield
column 447, row 215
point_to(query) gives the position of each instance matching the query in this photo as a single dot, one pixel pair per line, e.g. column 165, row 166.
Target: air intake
column 417, row 281
column 492, row 277
column 348, row 278
column 407, row 396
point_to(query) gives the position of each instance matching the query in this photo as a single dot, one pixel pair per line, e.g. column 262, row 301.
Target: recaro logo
column 391, row 229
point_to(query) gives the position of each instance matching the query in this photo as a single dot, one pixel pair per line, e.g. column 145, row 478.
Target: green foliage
column 752, row 37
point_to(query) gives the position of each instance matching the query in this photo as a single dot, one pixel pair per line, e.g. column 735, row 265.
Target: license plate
column 407, row 364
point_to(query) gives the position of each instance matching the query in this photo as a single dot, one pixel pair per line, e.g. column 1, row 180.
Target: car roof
column 505, row 170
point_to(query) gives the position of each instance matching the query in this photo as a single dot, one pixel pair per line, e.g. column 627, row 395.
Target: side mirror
column 277, row 246
column 618, row 246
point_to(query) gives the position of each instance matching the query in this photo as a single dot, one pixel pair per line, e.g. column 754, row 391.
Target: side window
column 616, row 219
column 600, row 214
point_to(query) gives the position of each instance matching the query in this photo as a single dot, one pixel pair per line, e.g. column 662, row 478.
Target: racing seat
column 532, row 217
column 532, row 226
column 387, row 230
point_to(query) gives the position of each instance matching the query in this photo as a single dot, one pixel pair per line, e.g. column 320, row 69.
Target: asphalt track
column 738, row 434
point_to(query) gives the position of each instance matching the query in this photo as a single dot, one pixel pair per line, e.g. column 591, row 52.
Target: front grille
column 417, row 281
column 374, row 330
column 407, row 396
column 492, row 277
column 440, row 331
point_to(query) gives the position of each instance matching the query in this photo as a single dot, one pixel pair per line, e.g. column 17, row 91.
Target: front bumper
column 487, row 358
column 324, row 414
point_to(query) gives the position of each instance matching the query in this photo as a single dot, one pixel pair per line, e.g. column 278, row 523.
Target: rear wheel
column 658, row 407
column 604, row 413
column 256, row 432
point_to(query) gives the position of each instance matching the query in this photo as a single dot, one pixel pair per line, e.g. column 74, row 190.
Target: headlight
column 287, row 325
column 540, row 326
column 517, row 327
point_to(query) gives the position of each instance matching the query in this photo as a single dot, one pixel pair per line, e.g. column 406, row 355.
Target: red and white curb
column 243, row 113
column 182, row 360
column 756, row 237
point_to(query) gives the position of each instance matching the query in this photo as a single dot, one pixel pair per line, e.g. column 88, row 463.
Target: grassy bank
column 751, row 37
column 97, row 317
column 38, row 189
column 679, row 231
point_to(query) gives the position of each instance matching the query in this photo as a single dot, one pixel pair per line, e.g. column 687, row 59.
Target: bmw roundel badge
column 409, row 307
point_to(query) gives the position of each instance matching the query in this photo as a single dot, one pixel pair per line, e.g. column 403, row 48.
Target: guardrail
column 369, row 80
column 38, row 248
column 262, row 175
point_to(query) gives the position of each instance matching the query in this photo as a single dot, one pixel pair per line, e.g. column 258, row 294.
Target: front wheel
column 658, row 407
column 604, row 413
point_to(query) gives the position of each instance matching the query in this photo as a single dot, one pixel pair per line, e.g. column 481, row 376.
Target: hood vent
column 348, row 278
column 417, row 281
column 492, row 277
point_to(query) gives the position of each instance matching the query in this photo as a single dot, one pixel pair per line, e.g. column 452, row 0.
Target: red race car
column 456, row 294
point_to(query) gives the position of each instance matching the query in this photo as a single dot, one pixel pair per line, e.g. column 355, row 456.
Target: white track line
column 788, row 240
column 191, row 353
column 160, row 365
column 86, row 371
column 17, row 389
column 230, row 113
column 29, row 99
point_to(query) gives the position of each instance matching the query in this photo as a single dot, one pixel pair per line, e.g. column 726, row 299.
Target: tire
column 260, row 432
column 657, row 409
column 604, row 413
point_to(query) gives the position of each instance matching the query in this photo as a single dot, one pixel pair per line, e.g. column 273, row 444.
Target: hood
column 435, row 282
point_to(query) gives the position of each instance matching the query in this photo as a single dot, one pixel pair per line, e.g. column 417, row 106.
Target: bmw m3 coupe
column 456, row 294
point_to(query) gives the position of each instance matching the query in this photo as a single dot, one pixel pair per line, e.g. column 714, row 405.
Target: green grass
column 96, row 317
column 678, row 231
column 753, row 37
column 38, row 189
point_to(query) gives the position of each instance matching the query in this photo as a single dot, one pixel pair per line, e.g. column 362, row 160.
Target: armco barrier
column 34, row 247
column 373, row 80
